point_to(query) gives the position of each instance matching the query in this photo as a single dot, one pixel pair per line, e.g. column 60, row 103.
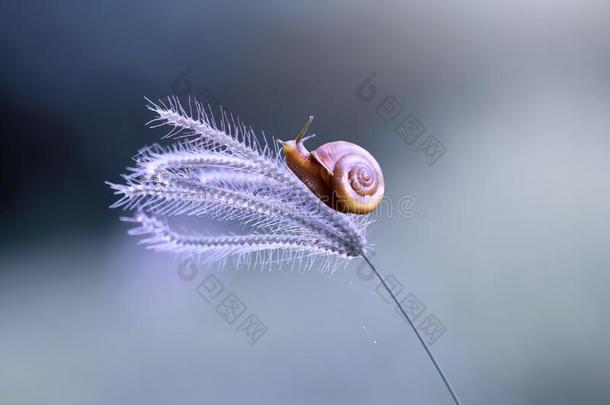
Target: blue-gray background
column 508, row 244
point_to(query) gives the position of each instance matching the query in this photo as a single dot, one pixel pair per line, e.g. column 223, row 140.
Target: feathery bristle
column 219, row 169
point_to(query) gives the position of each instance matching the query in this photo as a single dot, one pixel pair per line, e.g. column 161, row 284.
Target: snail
column 343, row 175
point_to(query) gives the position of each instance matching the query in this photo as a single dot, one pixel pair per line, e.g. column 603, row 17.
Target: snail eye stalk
column 303, row 131
column 219, row 170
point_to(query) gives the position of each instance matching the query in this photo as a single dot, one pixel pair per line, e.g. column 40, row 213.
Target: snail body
column 343, row 175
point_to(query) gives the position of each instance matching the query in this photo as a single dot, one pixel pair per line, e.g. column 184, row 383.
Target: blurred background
column 490, row 118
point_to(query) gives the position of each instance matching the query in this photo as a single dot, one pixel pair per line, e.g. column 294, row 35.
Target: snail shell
column 342, row 174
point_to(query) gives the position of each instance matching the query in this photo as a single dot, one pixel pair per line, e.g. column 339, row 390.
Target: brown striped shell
column 342, row 174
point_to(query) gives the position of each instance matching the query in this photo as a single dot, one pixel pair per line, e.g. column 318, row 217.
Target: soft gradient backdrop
column 506, row 242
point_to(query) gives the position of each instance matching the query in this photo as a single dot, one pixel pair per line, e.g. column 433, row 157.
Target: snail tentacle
column 343, row 175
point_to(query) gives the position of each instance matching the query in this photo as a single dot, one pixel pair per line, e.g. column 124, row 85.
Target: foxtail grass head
column 218, row 169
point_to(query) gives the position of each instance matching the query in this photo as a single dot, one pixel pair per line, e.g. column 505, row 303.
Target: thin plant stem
column 422, row 341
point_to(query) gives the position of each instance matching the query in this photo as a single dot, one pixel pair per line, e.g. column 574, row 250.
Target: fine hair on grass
column 218, row 169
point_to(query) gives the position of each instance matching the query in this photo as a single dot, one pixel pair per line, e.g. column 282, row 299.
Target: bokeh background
column 506, row 242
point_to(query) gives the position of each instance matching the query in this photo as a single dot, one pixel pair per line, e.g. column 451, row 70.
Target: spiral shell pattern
column 353, row 176
column 362, row 179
